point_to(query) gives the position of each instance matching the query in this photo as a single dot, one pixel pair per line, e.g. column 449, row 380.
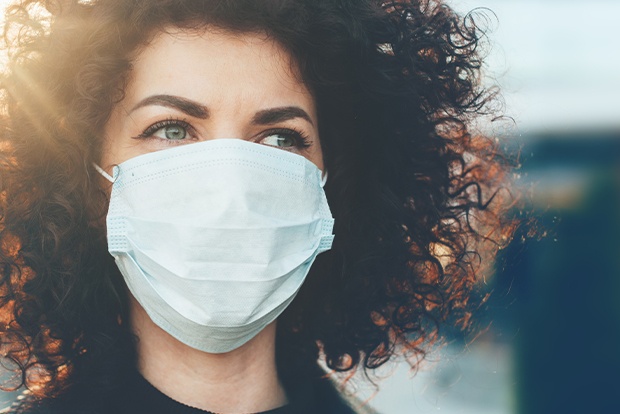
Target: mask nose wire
column 111, row 179
column 103, row 173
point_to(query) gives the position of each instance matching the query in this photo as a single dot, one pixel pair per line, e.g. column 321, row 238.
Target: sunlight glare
column 3, row 4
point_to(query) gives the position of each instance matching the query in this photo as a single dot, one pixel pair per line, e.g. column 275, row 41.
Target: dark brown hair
column 416, row 197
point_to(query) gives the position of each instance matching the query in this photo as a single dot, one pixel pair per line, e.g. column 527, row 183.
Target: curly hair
column 415, row 195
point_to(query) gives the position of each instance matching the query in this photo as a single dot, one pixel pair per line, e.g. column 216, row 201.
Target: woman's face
column 187, row 87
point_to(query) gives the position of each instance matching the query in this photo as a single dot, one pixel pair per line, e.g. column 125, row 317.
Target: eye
column 171, row 130
column 285, row 138
column 174, row 132
column 279, row 140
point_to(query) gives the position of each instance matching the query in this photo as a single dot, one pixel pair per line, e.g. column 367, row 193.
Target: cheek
column 117, row 144
column 110, row 144
column 318, row 157
column 108, row 155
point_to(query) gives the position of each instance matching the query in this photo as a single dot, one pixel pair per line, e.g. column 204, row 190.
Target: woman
column 163, row 164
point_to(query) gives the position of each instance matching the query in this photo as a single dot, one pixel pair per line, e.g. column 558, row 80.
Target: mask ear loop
column 324, row 179
column 103, row 173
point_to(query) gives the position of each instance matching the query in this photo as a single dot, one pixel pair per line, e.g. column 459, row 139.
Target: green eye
column 168, row 130
column 279, row 140
column 171, row 132
column 285, row 138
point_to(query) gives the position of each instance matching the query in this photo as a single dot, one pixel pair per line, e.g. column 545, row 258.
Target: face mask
column 214, row 239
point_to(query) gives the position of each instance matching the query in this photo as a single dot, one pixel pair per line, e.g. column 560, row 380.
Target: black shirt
column 139, row 396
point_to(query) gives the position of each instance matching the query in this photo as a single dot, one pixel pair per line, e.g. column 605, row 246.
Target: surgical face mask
column 214, row 239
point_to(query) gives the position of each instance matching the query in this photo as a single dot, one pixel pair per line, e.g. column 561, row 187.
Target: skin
column 201, row 86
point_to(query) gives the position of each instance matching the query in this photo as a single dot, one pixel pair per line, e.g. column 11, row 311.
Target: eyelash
column 301, row 139
column 148, row 132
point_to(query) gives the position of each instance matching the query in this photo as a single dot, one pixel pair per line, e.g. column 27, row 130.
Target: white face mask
column 214, row 239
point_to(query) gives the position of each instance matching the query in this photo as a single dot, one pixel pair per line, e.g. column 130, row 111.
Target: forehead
column 211, row 64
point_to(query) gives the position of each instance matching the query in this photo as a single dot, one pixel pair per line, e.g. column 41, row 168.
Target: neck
column 241, row 381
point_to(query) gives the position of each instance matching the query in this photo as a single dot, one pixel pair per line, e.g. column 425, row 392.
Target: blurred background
column 549, row 338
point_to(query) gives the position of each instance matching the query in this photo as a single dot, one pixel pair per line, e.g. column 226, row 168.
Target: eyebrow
column 197, row 110
column 275, row 115
column 186, row 106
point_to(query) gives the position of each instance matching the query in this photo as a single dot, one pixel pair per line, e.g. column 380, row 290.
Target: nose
column 228, row 127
